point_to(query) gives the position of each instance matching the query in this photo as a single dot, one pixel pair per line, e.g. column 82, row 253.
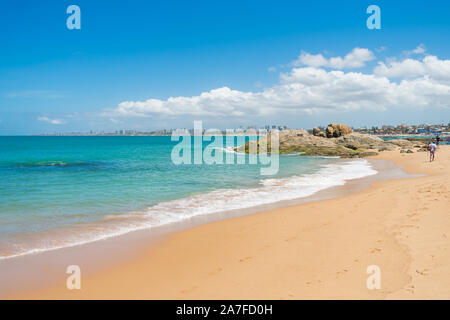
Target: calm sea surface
column 62, row 191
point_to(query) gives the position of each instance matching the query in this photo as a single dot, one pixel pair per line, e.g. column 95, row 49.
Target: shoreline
column 142, row 255
column 140, row 220
column 116, row 248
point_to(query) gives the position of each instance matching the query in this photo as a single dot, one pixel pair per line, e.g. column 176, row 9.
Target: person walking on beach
column 432, row 148
column 438, row 139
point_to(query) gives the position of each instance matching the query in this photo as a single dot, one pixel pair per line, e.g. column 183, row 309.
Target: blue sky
column 55, row 79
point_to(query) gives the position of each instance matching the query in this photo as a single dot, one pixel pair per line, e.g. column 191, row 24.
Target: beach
column 315, row 250
column 224, row 151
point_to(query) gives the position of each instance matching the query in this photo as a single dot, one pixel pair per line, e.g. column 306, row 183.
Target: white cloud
column 52, row 121
column 312, row 60
column 407, row 68
column 308, row 90
column 272, row 69
column 357, row 58
column 420, row 49
column 429, row 66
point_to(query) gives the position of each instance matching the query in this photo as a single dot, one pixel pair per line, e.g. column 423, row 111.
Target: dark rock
column 363, row 154
column 337, row 130
column 353, row 145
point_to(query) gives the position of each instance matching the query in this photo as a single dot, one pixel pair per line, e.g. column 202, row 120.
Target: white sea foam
column 269, row 191
column 226, row 149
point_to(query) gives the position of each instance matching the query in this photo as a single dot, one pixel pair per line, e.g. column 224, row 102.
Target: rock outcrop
column 347, row 144
column 316, row 131
column 336, row 140
column 402, row 143
column 337, row 130
column 319, row 133
column 356, row 141
column 302, row 142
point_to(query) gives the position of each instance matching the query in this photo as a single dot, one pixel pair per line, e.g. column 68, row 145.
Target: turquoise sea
column 64, row 191
column 445, row 139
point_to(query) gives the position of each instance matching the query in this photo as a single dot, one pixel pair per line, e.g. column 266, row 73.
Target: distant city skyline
column 149, row 65
column 384, row 129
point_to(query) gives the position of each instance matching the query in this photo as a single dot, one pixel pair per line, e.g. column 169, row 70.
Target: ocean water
column 65, row 191
column 445, row 139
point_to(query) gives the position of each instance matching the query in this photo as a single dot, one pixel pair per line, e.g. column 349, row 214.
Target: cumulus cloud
column 313, row 90
column 52, row 121
column 357, row 58
column 420, row 49
column 429, row 66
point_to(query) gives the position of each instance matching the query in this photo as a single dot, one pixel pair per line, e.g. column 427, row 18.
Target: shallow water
column 61, row 191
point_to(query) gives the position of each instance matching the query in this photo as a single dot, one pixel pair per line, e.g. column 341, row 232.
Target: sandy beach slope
column 318, row 250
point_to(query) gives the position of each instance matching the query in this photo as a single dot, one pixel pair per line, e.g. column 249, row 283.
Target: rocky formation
column 357, row 141
column 402, row 143
column 332, row 131
column 300, row 141
column 337, row 130
column 347, row 144
column 318, row 133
